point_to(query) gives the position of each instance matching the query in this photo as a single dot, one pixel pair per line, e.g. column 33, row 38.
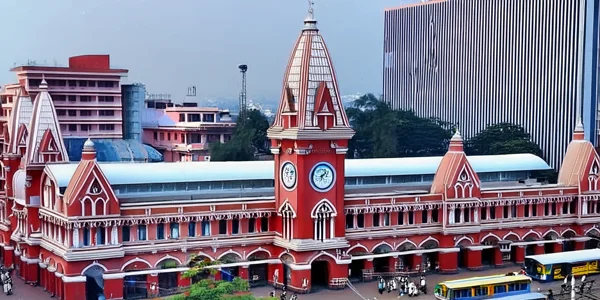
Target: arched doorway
column 135, row 286
column 229, row 273
column 463, row 245
column 167, row 281
column 530, row 248
column 405, row 261
column 593, row 242
column 568, row 243
column 257, row 273
column 488, row 254
column 286, row 260
column 357, row 266
column 382, row 264
column 430, row 259
column 549, row 246
column 94, row 282
column 319, row 273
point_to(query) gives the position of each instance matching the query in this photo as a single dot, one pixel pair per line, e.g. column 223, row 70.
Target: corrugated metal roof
column 128, row 173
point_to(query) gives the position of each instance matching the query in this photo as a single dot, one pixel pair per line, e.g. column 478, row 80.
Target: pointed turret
column 45, row 143
column 455, row 176
column 18, row 126
column 581, row 161
column 310, row 107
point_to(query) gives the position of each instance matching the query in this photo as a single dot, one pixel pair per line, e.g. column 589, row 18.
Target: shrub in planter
column 240, row 285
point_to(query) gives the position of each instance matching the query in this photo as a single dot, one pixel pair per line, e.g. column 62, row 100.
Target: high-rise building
column 133, row 97
column 86, row 94
column 477, row 63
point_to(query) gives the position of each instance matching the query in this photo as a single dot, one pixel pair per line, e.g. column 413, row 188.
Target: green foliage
column 502, row 138
column 177, row 297
column 384, row 132
column 240, row 285
column 249, row 138
column 198, row 267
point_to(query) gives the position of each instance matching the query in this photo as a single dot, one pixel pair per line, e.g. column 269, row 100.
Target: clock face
column 288, row 175
column 322, row 177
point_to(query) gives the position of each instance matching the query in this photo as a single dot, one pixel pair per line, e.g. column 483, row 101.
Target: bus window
column 499, row 289
column 524, row 286
column 462, row 294
column 481, row 291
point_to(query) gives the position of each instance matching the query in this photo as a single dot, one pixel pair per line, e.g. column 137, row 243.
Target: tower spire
column 310, row 23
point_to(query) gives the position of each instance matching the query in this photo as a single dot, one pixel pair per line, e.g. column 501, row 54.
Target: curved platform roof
column 142, row 173
column 114, row 150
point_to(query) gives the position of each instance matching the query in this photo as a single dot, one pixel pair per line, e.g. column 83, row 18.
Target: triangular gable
column 289, row 101
column 87, row 178
column 48, row 144
column 467, row 174
column 323, row 100
column 594, row 168
column 22, row 135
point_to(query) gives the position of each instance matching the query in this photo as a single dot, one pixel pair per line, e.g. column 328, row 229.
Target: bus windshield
column 440, row 290
column 532, row 267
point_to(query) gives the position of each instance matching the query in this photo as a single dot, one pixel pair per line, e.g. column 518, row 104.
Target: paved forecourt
column 369, row 289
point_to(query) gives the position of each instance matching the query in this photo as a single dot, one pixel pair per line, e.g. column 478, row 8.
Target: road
column 22, row 291
column 369, row 290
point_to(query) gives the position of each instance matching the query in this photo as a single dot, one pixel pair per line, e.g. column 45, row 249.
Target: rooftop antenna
column 243, row 107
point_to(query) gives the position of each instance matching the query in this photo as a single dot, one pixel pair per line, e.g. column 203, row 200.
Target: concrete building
column 476, row 63
column 133, row 97
column 310, row 218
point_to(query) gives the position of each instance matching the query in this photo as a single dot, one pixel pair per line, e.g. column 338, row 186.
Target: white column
column 462, row 215
column 291, row 235
column 355, row 223
column 332, row 228
column 316, row 237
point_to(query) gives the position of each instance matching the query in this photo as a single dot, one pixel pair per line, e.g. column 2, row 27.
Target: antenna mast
column 243, row 104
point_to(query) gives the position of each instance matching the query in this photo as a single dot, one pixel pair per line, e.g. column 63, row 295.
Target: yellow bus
column 486, row 287
column 556, row 266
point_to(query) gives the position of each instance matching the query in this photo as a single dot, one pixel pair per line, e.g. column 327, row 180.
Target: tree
column 502, row 138
column 248, row 139
column 384, row 132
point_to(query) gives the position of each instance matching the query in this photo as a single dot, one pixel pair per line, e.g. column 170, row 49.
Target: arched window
column 323, row 215
column 48, row 194
column 287, row 214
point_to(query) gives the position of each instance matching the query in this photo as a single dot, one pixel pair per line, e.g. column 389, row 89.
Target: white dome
column 88, row 144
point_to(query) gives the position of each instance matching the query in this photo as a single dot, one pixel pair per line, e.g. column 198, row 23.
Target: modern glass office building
column 481, row 62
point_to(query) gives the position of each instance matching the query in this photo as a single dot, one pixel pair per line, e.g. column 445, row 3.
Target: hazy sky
column 170, row 45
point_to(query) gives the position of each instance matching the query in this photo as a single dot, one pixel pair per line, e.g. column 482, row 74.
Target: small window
column 349, row 221
column 86, row 236
column 125, row 233
column 192, row 229
column 142, row 236
column 235, row 226
column 424, row 217
column 264, row 224
column 492, row 212
column 376, row 219
column 181, row 117
column 160, row 231
column 155, row 136
column 434, row 216
column 411, row 217
column 222, row 226
column 174, row 229
column 205, row 228
column 499, row 289
column 72, row 113
column 72, row 127
column 386, row 219
column 251, row 225
column 84, row 127
column 100, row 236
column 360, row 221
column 401, row 218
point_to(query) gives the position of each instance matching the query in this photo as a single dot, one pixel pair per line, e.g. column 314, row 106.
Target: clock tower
column 309, row 140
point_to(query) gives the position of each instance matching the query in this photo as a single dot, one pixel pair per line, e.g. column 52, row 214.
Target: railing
column 338, row 283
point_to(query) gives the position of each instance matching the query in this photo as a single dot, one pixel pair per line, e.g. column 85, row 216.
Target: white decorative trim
column 286, row 206
column 586, row 232
column 205, row 255
column 137, row 259
column 230, row 251
column 358, row 245
column 337, row 261
column 549, row 231
column 313, row 213
column 95, row 263
column 539, row 236
column 490, row 235
column 427, row 240
column 464, row 238
column 288, row 253
column 166, row 257
column 258, row 250
column 406, row 241
column 381, row 244
column 509, row 234
column 566, row 230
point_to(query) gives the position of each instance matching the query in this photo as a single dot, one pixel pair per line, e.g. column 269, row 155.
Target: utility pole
column 243, row 104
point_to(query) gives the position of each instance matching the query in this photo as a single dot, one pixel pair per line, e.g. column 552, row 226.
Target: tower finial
column 311, row 10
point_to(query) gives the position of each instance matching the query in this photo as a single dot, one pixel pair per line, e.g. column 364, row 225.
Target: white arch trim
column 490, row 235
column 462, row 239
column 427, row 240
column 230, row 252
column 549, row 231
column 137, row 259
column 539, row 236
column 509, row 234
column 567, row 230
column 406, row 241
column 286, row 205
column 166, row 257
column 358, row 245
column 205, row 255
column 284, row 253
column 92, row 265
column 322, row 253
column 592, row 229
column 259, row 249
column 313, row 213
column 381, row 244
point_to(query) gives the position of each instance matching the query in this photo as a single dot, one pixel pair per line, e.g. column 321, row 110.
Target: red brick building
column 322, row 216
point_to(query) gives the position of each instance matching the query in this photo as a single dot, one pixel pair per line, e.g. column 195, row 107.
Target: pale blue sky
column 169, row 45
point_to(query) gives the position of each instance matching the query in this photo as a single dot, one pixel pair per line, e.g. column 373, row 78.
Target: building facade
column 184, row 132
column 87, row 95
column 133, row 97
column 308, row 218
column 532, row 63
